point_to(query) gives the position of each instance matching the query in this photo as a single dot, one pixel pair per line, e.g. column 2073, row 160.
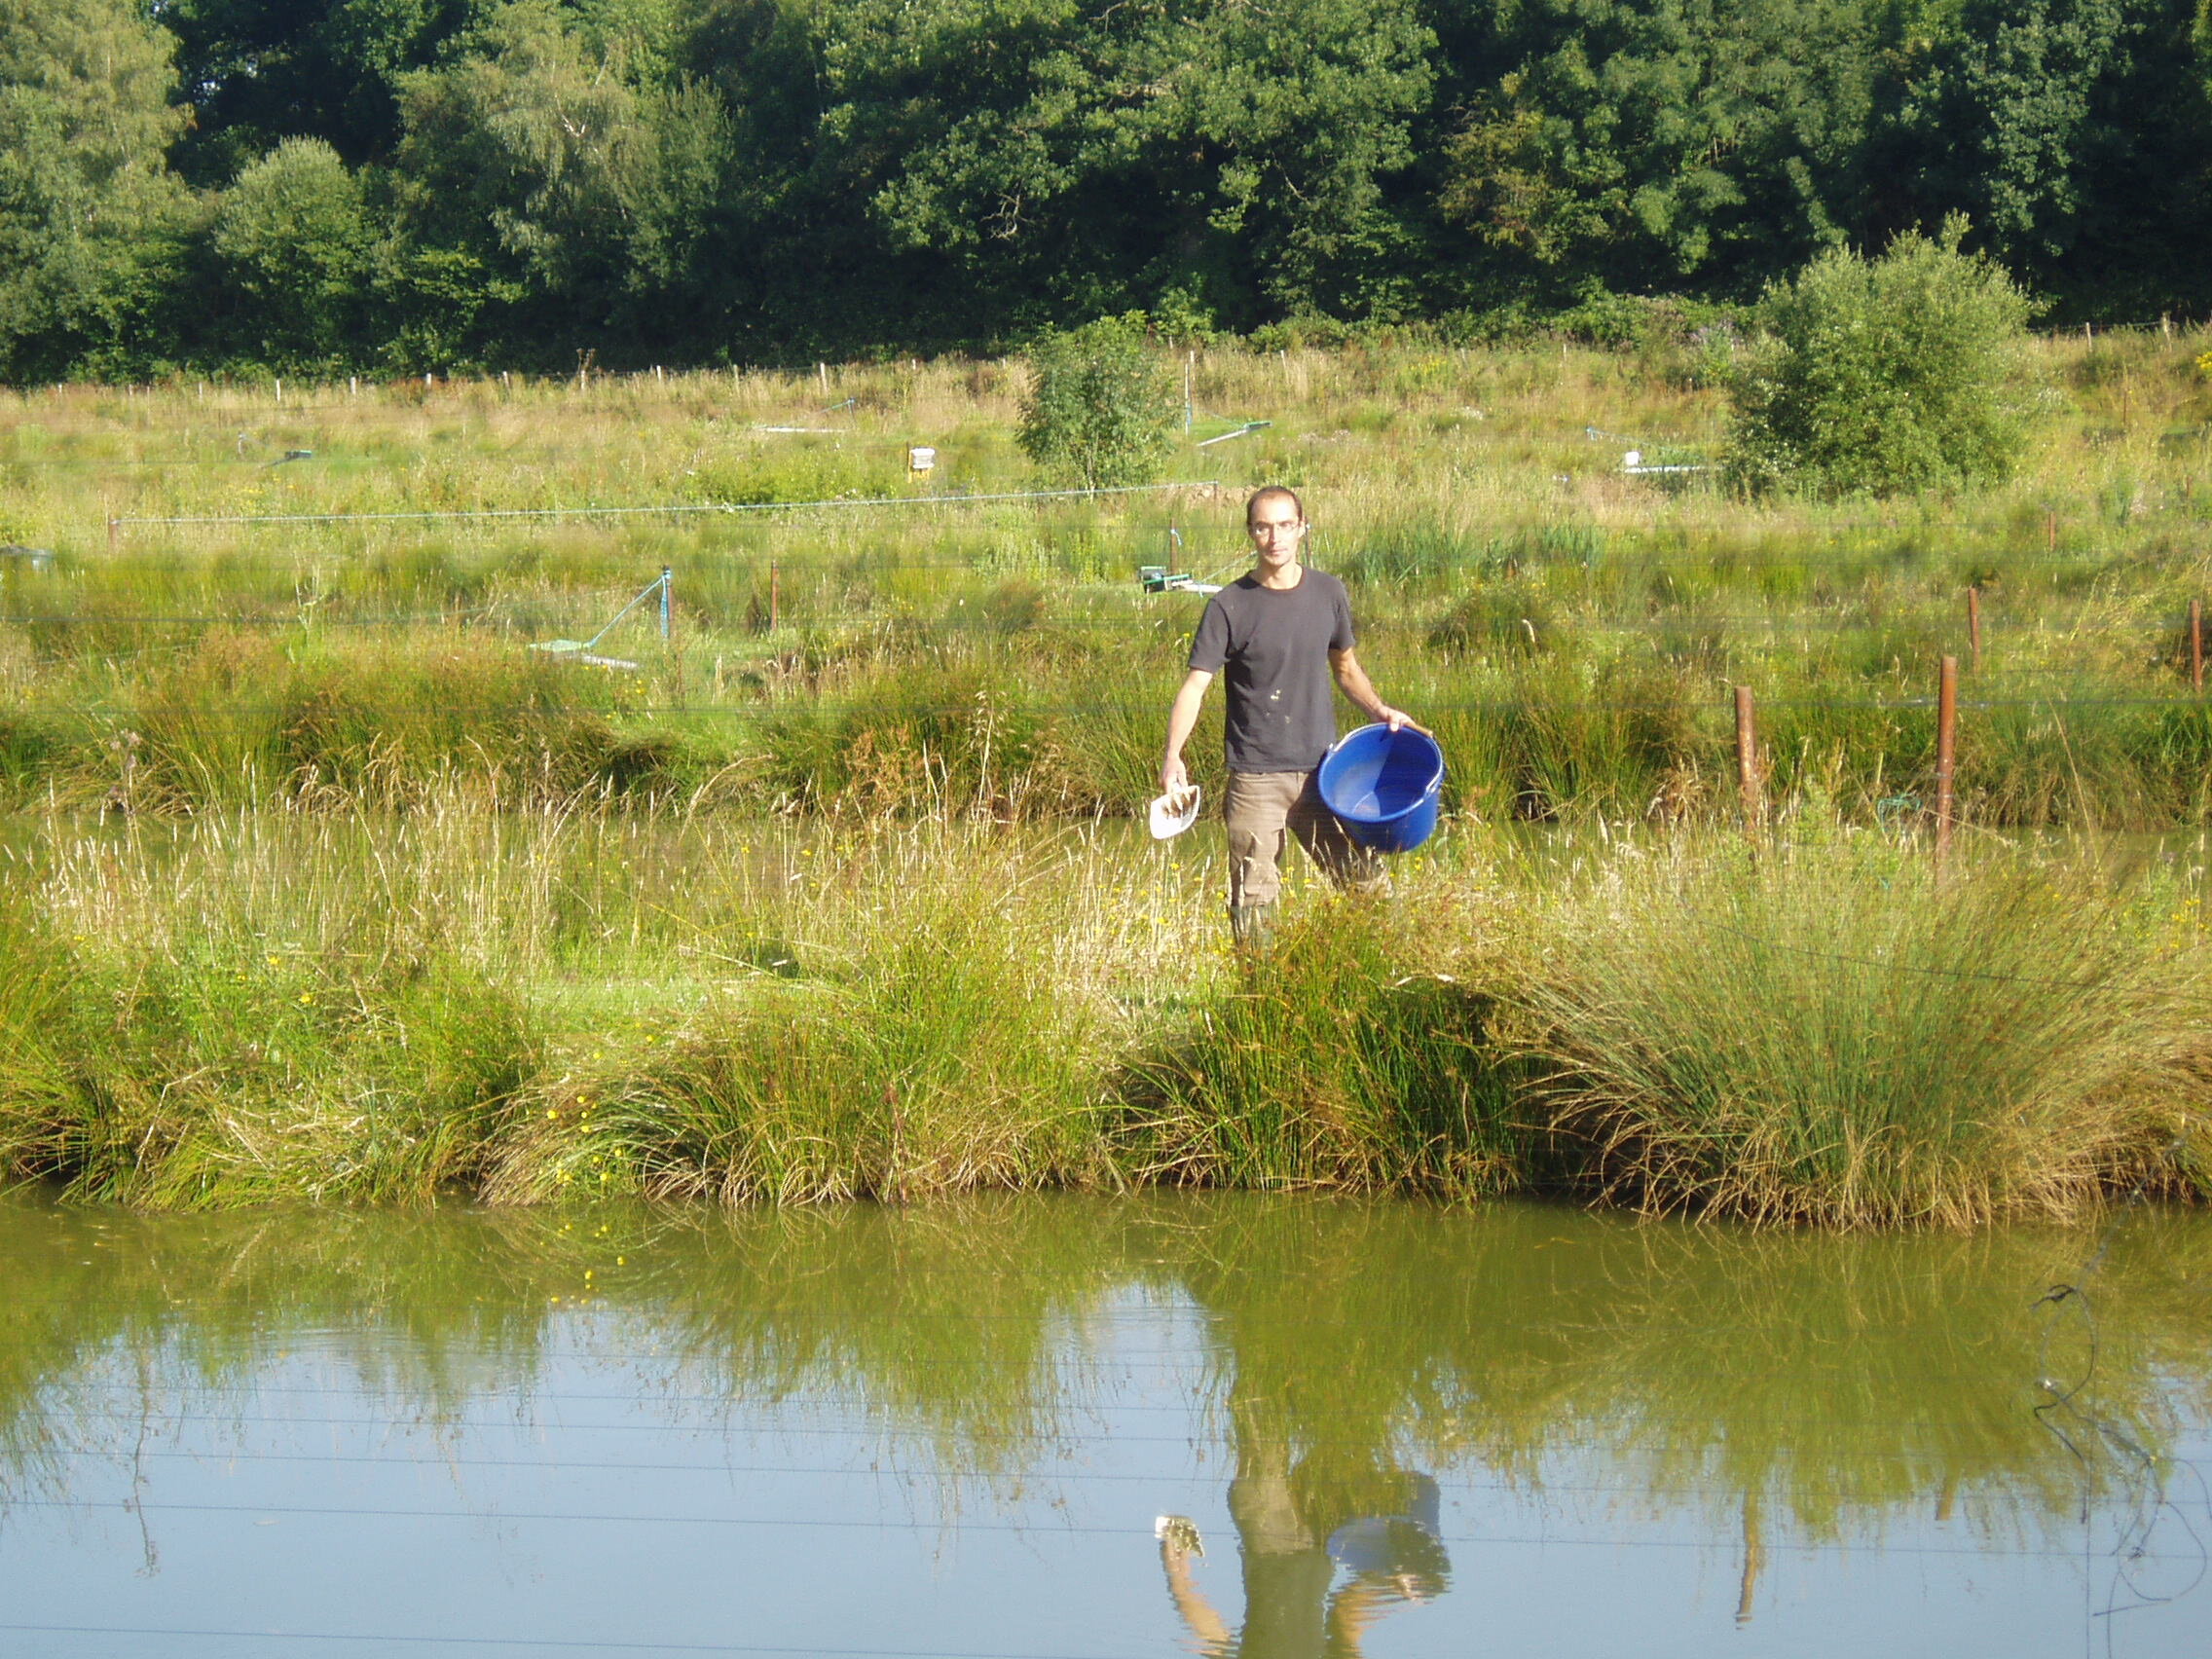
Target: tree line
column 317, row 186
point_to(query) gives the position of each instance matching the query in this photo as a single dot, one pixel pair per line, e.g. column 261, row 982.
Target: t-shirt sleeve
column 1209, row 645
column 1341, row 638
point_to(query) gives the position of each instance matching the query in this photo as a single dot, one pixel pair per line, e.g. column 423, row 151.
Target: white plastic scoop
column 1170, row 814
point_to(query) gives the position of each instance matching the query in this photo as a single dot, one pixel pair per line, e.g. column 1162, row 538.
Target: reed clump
column 1841, row 1033
column 914, row 1041
column 1354, row 1054
column 222, row 1077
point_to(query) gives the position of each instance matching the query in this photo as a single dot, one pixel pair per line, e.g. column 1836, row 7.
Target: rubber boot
column 1252, row 927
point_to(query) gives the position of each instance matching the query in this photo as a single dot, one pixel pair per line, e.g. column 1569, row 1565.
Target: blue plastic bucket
column 1382, row 785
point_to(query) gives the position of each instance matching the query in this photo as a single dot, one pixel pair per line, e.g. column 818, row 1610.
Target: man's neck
column 1281, row 576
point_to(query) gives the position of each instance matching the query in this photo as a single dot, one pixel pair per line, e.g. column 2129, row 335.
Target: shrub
column 1881, row 376
column 1101, row 406
column 293, row 239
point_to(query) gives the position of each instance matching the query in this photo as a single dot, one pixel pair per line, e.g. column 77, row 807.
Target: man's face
column 1276, row 531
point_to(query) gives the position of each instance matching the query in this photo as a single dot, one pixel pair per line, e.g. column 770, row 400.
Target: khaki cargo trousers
column 1264, row 810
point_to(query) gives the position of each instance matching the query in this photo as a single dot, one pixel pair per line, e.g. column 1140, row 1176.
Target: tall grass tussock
column 920, row 1051
column 1356, row 1053
column 1843, row 1034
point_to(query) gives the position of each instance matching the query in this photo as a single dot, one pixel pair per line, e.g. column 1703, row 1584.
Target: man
column 1280, row 633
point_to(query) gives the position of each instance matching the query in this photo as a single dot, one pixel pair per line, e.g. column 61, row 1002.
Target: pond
column 1071, row 1425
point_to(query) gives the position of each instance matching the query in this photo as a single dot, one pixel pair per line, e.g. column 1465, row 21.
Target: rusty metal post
column 1946, row 752
column 2196, row 645
column 1973, row 624
column 1747, row 760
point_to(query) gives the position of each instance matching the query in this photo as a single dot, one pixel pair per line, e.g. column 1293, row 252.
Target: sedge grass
column 920, row 1052
column 553, row 1004
column 1839, row 1033
column 1355, row 1054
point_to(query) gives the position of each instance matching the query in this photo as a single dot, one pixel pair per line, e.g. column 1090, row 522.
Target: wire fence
column 674, row 510
column 535, row 611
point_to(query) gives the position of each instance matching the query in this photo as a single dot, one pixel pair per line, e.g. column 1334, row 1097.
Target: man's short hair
column 1273, row 492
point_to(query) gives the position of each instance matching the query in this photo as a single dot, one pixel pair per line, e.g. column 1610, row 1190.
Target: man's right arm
column 1182, row 720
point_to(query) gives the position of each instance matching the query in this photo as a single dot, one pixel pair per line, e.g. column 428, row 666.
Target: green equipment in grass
column 581, row 650
column 1164, row 578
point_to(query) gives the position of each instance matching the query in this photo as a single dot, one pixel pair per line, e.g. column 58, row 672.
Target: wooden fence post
column 1973, row 624
column 1747, row 760
column 2196, row 645
column 1946, row 752
column 775, row 598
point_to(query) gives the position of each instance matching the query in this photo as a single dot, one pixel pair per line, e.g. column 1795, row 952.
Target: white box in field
column 920, row 457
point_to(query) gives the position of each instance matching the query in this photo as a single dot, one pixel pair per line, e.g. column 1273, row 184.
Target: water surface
column 1377, row 1428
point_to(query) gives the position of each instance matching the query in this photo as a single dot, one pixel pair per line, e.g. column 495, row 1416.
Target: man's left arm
column 1361, row 691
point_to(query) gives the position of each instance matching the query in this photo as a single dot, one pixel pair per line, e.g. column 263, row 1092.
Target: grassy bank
column 1572, row 630
column 535, row 1007
column 321, row 883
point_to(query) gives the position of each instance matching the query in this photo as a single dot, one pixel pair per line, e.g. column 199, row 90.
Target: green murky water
column 1381, row 1428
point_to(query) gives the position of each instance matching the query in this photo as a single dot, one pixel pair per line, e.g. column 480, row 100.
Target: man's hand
column 1174, row 776
column 1178, row 1536
column 1398, row 719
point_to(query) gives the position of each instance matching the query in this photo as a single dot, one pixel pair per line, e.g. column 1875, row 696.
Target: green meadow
column 321, row 883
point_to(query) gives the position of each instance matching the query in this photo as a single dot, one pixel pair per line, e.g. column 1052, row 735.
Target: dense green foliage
column 1882, row 376
column 1100, row 410
column 92, row 220
column 418, row 185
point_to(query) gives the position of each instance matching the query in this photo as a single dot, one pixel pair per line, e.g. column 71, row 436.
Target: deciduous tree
column 90, row 218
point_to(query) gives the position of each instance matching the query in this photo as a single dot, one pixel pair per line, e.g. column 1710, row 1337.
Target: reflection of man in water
column 1295, row 1533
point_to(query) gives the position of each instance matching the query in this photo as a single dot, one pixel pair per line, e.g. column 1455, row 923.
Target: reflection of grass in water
column 956, row 1323
column 1836, row 1381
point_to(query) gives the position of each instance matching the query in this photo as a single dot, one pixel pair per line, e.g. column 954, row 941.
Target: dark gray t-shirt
column 1275, row 644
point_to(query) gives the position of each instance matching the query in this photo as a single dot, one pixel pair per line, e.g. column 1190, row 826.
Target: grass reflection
column 1826, row 1384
